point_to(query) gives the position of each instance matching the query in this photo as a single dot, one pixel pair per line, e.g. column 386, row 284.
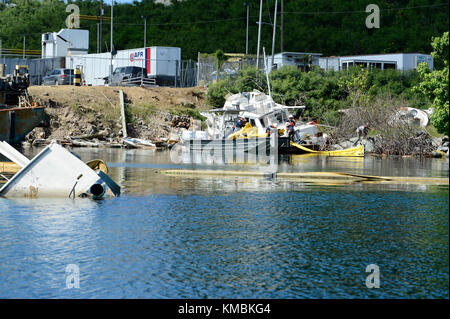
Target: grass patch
column 143, row 111
column 106, row 111
column 433, row 131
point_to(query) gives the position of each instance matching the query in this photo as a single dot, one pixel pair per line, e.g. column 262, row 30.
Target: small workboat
column 138, row 143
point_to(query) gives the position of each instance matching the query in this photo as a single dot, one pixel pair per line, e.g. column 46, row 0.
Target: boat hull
column 16, row 123
column 258, row 146
column 56, row 172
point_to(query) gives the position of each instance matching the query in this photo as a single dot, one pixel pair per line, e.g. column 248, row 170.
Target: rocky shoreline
column 91, row 117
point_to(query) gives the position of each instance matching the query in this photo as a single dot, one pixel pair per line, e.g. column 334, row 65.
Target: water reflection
column 369, row 165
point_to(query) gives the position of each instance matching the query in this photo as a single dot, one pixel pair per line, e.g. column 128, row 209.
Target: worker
column 269, row 128
column 240, row 123
column 362, row 131
column 291, row 127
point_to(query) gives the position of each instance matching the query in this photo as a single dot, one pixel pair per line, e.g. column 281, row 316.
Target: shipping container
column 161, row 63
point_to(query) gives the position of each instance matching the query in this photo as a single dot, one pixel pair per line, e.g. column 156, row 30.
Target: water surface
column 184, row 237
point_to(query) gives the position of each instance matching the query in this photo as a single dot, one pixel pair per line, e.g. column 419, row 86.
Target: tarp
column 246, row 132
column 355, row 151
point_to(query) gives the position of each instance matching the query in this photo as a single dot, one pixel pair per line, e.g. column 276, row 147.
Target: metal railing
column 139, row 81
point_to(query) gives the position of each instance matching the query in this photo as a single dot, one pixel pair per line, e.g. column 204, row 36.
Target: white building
column 65, row 42
column 302, row 60
column 396, row 61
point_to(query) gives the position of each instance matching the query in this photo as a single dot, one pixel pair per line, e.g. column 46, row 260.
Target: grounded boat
column 262, row 114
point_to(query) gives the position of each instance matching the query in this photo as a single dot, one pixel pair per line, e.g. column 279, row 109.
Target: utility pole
column 98, row 33
column 112, row 28
column 274, row 36
column 246, row 35
column 101, row 25
column 145, row 30
column 282, row 26
column 24, row 47
column 112, row 23
column 259, row 32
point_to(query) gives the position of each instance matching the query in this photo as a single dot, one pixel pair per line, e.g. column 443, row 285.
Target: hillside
column 151, row 113
column 331, row 27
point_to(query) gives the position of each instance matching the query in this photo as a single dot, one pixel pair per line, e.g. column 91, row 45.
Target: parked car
column 122, row 75
column 59, row 77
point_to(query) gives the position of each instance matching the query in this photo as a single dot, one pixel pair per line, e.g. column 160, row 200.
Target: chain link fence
column 207, row 72
column 94, row 69
column 37, row 68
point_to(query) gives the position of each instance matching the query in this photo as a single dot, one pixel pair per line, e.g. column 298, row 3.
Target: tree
column 221, row 58
column 435, row 83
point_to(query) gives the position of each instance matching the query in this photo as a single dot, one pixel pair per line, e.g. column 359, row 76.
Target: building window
column 361, row 64
column 391, row 66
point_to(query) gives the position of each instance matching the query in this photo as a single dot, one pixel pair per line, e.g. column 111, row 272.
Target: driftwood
column 88, row 136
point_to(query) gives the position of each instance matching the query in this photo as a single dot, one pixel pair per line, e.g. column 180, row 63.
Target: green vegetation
column 434, row 83
column 209, row 25
column 323, row 93
column 143, row 111
column 221, row 58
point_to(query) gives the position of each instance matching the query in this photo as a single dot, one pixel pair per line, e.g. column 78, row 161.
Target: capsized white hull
column 56, row 172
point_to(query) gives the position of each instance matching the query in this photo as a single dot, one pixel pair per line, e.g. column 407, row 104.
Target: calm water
column 181, row 237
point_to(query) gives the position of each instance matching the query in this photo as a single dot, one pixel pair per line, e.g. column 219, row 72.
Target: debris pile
column 393, row 129
column 181, row 121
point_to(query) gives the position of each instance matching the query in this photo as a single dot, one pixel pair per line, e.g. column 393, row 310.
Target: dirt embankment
column 151, row 113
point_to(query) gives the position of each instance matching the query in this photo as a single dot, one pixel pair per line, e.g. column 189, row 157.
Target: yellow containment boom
column 246, row 132
column 355, row 151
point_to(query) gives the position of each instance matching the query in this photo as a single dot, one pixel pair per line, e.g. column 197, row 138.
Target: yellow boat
column 355, row 151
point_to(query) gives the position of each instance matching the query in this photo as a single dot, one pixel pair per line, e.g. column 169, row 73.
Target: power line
column 364, row 11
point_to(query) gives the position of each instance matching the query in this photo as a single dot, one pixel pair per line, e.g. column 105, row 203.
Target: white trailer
column 396, row 61
column 161, row 63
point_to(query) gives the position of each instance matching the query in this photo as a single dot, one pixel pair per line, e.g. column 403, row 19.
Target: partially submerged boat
column 56, row 172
